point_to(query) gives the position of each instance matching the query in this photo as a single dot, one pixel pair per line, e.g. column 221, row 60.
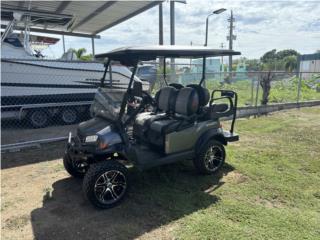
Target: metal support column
column 160, row 24
column 172, row 33
column 63, row 44
column 160, row 32
column 93, row 50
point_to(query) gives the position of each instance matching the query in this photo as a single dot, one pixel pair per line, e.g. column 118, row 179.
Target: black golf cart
column 132, row 127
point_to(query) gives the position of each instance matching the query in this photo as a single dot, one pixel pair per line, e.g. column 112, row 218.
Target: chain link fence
column 47, row 99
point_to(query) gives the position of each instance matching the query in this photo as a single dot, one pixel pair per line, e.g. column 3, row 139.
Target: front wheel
column 211, row 158
column 75, row 169
column 106, row 183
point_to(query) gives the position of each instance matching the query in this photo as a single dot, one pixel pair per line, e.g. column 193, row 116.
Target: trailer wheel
column 69, row 116
column 38, row 118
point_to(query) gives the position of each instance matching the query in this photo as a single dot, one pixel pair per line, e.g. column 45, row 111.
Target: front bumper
column 78, row 150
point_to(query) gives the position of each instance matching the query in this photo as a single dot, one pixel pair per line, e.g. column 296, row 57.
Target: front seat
column 186, row 107
column 165, row 101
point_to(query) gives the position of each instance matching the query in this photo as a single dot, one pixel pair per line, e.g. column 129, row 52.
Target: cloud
column 260, row 26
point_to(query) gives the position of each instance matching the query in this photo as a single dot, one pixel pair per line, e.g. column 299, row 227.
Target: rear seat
column 185, row 109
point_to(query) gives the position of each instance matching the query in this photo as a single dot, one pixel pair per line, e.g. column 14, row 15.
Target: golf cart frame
column 183, row 125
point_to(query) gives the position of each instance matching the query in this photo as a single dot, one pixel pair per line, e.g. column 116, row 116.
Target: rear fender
column 208, row 135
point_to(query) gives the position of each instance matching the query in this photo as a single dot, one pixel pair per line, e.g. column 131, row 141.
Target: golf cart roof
column 146, row 53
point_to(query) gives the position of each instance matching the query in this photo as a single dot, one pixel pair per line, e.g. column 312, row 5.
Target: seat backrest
column 165, row 99
column 203, row 93
column 187, row 101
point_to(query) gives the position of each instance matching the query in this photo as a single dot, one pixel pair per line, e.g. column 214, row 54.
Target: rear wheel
column 211, row 157
column 69, row 116
column 38, row 118
column 106, row 183
column 75, row 169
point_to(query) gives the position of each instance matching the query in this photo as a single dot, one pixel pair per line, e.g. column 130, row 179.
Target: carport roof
column 78, row 18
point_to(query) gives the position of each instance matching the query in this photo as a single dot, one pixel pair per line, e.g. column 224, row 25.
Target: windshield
column 107, row 103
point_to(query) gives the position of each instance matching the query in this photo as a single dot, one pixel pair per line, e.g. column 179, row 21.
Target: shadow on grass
column 156, row 198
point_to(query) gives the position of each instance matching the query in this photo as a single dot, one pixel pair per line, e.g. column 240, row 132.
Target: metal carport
column 88, row 17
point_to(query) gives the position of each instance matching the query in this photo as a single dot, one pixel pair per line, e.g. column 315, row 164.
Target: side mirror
column 137, row 89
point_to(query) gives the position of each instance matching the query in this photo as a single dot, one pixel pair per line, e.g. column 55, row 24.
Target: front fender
column 109, row 136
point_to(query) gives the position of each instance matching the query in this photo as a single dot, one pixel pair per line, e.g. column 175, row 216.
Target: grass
column 268, row 189
column 281, row 91
column 273, row 193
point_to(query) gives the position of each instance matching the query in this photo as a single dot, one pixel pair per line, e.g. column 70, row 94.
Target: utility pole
column 221, row 65
column 230, row 38
column 221, row 46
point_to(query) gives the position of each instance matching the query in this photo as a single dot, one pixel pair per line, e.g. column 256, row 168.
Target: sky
column 260, row 26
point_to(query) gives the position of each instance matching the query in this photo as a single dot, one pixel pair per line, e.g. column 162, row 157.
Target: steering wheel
column 148, row 99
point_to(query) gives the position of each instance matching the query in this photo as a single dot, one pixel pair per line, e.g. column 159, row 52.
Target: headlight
column 92, row 138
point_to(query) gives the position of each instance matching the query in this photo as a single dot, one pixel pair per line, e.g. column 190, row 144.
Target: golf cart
column 132, row 127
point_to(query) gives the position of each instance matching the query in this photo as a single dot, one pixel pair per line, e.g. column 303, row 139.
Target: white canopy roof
column 78, row 18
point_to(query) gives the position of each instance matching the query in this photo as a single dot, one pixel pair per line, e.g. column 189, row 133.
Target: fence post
column 257, row 95
column 299, row 87
column 252, row 90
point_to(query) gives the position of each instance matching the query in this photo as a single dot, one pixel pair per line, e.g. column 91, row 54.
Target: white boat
column 28, row 81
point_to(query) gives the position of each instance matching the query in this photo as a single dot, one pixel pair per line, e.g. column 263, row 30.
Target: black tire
column 205, row 162
column 106, row 184
column 38, row 118
column 69, row 116
column 75, row 170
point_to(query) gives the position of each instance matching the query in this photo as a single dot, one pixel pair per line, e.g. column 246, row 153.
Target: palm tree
column 80, row 53
column 290, row 63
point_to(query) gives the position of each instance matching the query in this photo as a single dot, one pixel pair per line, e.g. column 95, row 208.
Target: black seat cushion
column 165, row 99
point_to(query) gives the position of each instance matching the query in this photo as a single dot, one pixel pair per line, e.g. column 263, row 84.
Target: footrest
column 230, row 137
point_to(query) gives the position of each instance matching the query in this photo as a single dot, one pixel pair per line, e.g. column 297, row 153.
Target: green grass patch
column 279, row 198
column 268, row 189
column 281, row 91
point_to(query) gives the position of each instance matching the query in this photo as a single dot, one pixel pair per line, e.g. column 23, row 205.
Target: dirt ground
column 41, row 201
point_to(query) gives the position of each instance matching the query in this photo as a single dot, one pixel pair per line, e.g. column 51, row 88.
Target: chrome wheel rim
column 69, row 116
column 110, row 187
column 213, row 158
column 39, row 118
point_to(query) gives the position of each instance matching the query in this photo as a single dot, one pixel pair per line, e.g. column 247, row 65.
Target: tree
column 253, row 65
column 277, row 60
column 281, row 55
column 290, row 63
column 80, row 53
column 265, row 79
column 269, row 56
